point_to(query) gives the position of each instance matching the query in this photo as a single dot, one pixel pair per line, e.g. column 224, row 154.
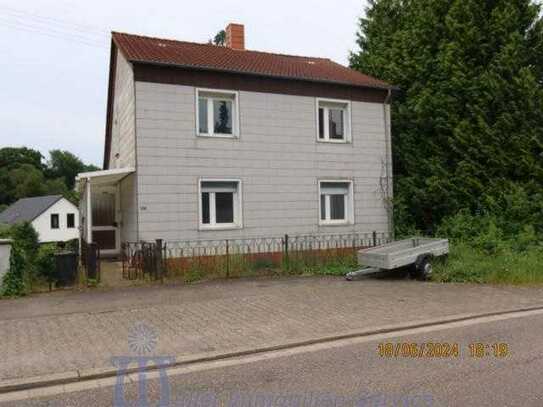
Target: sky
column 55, row 54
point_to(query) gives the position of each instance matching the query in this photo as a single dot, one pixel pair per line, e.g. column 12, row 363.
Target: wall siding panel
column 129, row 209
column 123, row 131
column 277, row 157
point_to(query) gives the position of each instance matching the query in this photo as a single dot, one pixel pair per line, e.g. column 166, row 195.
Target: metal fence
column 196, row 259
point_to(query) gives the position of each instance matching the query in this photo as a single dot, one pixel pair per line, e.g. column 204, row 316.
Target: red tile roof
column 142, row 49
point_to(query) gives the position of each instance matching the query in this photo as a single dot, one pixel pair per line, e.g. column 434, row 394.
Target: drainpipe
column 388, row 157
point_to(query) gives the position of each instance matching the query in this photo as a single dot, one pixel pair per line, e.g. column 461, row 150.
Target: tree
column 6, row 187
column 63, row 164
column 220, row 38
column 22, row 174
column 12, row 157
column 468, row 121
column 224, row 116
column 28, row 181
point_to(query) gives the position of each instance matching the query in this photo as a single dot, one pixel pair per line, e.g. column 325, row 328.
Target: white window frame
column 349, row 204
column 238, row 215
column 346, row 107
column 210, row 115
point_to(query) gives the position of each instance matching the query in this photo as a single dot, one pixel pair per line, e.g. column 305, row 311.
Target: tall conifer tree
column 468, row 120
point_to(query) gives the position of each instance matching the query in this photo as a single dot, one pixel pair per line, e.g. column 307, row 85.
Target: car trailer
column 416, row 253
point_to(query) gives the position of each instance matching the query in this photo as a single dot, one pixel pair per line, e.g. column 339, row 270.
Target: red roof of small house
column 137, row 48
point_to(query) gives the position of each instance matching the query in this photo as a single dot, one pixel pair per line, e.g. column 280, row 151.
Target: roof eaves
column 59, row 197
column 261, row 75
column 42, row 210
column 110, row 97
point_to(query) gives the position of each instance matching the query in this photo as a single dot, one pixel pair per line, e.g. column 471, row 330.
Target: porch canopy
column 99, row 206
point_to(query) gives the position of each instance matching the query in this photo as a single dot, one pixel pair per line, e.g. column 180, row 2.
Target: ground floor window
column 220, row 203
column 336, row 202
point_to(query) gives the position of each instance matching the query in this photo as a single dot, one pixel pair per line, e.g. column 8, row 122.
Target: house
column 220, row 142
column 54, row 217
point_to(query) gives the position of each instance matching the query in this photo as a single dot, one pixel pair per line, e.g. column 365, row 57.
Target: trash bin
column 66, row 264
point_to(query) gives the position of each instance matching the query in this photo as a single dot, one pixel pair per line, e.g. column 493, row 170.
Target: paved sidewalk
column 69, row 331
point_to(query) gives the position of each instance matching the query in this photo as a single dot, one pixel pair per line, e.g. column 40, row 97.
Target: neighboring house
column 54, row 217
column 212, row 142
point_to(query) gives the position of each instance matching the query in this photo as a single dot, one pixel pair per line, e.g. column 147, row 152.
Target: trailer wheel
column 424, row 268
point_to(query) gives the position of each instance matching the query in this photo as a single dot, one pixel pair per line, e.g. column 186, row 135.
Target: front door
column 105, row 230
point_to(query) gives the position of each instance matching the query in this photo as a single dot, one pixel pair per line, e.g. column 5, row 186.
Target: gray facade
column 123, row 152
column 123, row 145
column 277, row 158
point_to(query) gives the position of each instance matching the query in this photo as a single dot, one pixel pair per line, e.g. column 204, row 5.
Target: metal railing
column 196, row 259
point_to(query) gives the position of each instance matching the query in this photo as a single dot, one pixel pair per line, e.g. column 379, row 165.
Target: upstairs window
column 333, row 121
column 217, row 113
column 220, row 204
column 70, row 220
column 54, row 221
column 336, row 202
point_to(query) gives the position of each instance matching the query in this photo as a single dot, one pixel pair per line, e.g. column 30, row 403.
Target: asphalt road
column 352, row 373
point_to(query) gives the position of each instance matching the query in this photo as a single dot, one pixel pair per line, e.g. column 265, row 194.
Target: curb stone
column 34, row 382
column 52, row 379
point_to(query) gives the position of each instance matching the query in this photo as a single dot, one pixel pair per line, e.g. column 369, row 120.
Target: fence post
column 158, row 259
column 98, row 263
column 92, row 262
column 374, row 238
column 227, row 259
column 286, row 251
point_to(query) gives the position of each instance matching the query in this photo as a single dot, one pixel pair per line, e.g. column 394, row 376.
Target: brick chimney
column 235, row 36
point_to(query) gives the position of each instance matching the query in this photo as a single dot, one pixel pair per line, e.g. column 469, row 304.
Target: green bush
column 516, row 207
column 13, row 283
column 472, row 265
column 26, row 238
column 45, row 263
column 488, row 232
column 24, row 250
column 526, row 239
column 72, row 245
column 491, row 248
column 4, row 231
